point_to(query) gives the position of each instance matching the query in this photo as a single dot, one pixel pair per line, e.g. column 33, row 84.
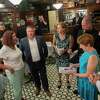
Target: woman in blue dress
column 88, row 63
column 62, row 43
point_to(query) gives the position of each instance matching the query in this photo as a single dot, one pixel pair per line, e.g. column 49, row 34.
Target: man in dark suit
column 34, row 53
column 76, row 27
column 77, row 20
column 42, row 26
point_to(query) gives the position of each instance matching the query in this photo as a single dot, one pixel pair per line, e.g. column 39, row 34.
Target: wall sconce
column 2, row 5
column 15, row 2
column 57, row 5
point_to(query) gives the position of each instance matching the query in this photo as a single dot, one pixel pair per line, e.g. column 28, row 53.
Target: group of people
column 33, row 50
column 87, row 75
column 63, row 43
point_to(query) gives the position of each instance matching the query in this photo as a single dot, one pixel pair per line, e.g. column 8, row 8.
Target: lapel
column 38, row 43
column 27, row 46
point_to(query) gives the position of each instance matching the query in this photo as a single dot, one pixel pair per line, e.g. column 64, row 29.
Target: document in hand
column 67, row 70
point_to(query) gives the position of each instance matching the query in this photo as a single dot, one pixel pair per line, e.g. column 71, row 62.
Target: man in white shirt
column 34, row 53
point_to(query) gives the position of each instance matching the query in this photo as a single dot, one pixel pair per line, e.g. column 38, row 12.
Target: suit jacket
column 78, row 21
column 25, row 48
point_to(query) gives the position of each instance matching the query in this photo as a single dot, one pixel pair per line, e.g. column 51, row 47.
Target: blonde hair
column 62, row 24
column 65, row 27
column 86, row 39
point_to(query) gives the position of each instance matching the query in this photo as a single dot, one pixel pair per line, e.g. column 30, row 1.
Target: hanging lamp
column 15, row 2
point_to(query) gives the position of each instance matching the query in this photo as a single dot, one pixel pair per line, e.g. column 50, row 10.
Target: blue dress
column 62, row 60
column 87, row 90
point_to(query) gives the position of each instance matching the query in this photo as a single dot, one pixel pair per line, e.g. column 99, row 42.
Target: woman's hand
column 73, row 73
column 74, row 65
column 76, row 74
column 93, row 78
column 69, row 51
column 10, row 69
column 71, row 66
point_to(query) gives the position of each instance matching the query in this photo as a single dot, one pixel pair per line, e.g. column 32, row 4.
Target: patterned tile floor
column 62, row 94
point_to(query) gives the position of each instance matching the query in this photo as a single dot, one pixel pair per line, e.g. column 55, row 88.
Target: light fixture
column 2, row 5
column 57, row 5
column 48, row 7
column 15, row 2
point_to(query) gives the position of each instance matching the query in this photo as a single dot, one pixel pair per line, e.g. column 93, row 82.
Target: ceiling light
column 57, row 5
column 15, row 2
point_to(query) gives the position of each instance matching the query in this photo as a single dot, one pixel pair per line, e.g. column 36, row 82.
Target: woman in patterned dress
column 62, row 43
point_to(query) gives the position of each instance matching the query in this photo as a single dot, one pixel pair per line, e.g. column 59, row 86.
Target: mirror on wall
column 69, row 15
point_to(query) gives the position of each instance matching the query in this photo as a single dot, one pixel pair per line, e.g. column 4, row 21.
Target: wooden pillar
column 14, row 20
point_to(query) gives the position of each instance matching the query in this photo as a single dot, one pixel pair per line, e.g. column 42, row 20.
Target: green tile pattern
column 62, row 94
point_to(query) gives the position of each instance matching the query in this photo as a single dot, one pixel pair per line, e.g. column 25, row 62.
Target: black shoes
column 59, row 84
column 48, row 93
column 68, row 85
column 28, row 81
column 76, row 92
column 23, row 99
column 37, row 92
